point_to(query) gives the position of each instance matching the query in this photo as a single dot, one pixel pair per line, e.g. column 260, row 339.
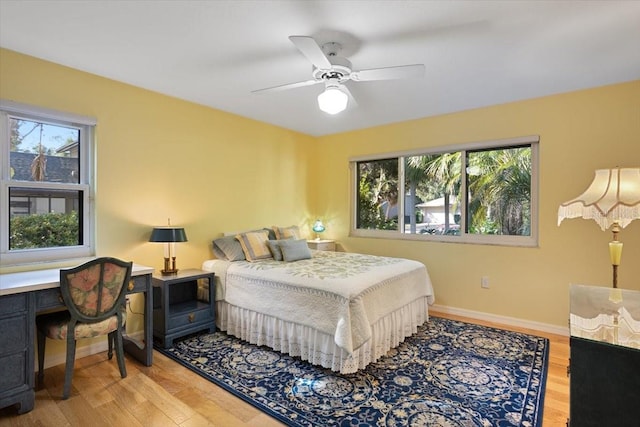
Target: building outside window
column 46, row 184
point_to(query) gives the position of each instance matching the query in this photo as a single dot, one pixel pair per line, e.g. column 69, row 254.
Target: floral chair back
column 95, row 290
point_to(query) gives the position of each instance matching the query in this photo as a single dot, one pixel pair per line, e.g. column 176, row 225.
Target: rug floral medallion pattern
column 448, row 374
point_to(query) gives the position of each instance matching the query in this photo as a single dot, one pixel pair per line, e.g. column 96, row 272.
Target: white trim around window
column 530, row 240
column 86, row 126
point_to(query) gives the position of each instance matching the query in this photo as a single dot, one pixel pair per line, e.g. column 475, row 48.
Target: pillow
column 292, row 232
column 294, row 250
column 274, row 247
column 271, row 231
column 228, row 248
column 254, row 245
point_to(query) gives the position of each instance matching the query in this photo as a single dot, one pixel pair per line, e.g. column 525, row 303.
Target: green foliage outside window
column 377, row 192
column 44, row 230
column 370, row 216
column 498, row 190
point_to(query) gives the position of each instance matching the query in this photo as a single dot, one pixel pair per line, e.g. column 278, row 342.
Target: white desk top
column 27, row 281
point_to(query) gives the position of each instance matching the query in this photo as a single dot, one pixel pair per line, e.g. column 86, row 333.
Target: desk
column 22, row 296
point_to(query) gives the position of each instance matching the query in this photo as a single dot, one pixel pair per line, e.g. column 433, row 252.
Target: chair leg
column 120, row 353
column 110, row 338
column 42, row 340
column 68, row 373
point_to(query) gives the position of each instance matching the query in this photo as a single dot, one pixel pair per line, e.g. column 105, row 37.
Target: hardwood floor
column 167, row 394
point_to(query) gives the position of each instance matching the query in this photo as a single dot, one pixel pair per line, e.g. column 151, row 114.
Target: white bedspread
column 341, row 294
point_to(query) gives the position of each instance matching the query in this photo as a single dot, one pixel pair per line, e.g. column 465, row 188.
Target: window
column 476, row 193
column 45, row 184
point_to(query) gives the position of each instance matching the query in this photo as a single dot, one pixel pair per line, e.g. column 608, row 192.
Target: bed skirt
column 317, row 347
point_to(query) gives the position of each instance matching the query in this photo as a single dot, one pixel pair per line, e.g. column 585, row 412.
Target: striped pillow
column 254, row 245
column 292, row 232
column 228, row 248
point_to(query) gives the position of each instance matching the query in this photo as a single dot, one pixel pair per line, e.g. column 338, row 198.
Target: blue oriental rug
column 448, row 374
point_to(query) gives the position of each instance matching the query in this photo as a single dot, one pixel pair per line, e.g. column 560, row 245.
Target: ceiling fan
column 333, row 70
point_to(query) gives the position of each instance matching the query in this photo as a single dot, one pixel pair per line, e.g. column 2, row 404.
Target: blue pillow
column 274, row 247
column 294, row 250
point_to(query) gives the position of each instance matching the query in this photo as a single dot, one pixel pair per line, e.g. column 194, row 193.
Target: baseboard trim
column 87, row 350
column 505, row 320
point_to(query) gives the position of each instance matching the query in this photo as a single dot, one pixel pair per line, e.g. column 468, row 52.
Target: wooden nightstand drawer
column 322, row 245
column 189, row 313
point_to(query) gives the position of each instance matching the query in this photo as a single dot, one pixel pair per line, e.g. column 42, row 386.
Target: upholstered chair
column 94, row 294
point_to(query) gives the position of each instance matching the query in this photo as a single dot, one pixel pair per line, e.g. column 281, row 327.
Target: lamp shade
column 332, row 100
column 168, row 234
column 612, row 197
column 318, row 226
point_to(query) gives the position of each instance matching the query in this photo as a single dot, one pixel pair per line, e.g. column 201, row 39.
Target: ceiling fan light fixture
column 332, row 100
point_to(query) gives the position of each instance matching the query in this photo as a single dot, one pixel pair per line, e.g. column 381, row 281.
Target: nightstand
column 177, row 311
column 322, row 245
column 604, row 357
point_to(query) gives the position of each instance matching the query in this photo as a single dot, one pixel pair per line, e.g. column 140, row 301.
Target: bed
column 334, row 309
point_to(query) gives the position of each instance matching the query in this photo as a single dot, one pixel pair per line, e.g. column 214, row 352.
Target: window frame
column 86, row 184
column 485, row 239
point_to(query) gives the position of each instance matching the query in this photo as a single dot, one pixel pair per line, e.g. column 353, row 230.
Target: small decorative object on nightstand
column 177, row 310
column 318, row 227
column 322, row 245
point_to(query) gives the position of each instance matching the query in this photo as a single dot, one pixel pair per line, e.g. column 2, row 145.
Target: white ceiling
column 476, row 53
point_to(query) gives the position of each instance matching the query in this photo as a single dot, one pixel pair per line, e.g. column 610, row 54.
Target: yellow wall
column 579, row 133
column 210, row 171
column 160, row 157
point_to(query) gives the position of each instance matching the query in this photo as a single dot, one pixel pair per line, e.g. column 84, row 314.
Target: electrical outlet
column 484, row 282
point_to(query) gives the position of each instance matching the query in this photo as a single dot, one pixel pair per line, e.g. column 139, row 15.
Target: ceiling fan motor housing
column 340, row 70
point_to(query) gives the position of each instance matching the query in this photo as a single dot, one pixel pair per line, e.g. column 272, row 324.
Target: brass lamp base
column 615, row 252
column 169, row 270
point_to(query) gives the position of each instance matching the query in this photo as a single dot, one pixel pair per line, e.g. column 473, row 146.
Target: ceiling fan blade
column 352, row 100
column 287, row 86
column 389, row 73
column 310, row 48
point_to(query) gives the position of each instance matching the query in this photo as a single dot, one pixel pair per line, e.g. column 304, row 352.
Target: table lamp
column 318, row 227
column 169, row 236
column 612, row 200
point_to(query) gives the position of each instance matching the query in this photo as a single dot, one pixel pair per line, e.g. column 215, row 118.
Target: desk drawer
column 10, row 304
column 139, row 283
column 14, row 334
column 49, row 298
column 13, row 372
